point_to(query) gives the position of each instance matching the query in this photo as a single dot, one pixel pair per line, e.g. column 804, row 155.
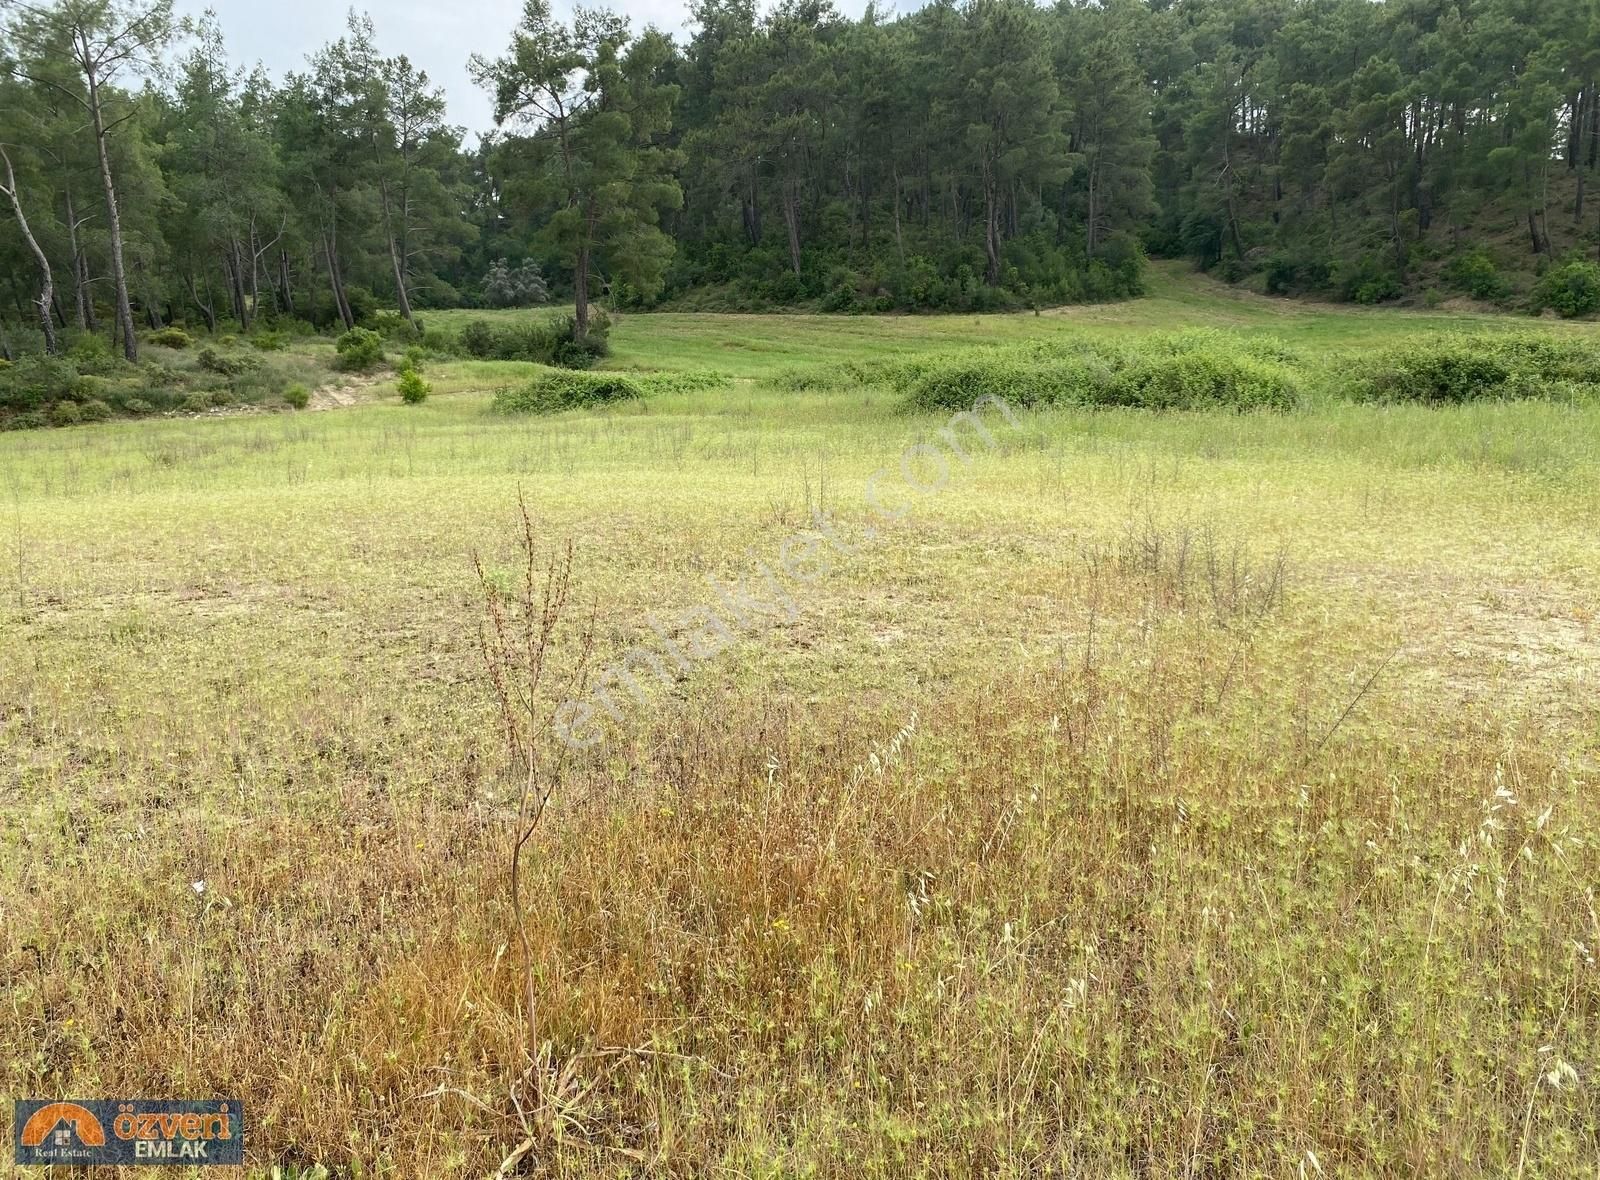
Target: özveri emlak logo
column 129, row 1131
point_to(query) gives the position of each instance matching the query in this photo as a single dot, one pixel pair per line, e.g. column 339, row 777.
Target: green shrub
column 359, row 349
column 1294, row 271
column 36, row 380
column 228, row 366
column 1473, row 367
column 95, row 410
column 268, row 342
column 363, row 304
column 958, row 381
column 196, row 403
column 393, row 326
column 692, row 381
column 413, row 389
column 439, row 342
column 1571, row 289
column 29, row 420
column 92, row 354
column 298, row 396
column 411, row 360
column 1186, row 370
column 1475, row 273
column 1368, row 279
column 546, row 342
column 65, row 414
column 1204, row 379
column 568, row 353
column 554, row 391
column 173, row 337
column 138, row 407
column 478, row 339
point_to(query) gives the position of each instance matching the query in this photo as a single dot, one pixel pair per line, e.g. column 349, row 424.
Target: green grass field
column 1189, row 794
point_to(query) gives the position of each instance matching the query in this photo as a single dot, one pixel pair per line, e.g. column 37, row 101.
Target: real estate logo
column 129, row 1132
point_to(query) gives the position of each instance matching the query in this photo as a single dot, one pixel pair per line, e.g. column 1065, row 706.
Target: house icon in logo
column 64, row 1124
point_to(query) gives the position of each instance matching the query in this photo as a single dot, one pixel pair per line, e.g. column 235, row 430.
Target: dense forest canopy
column 972, row 155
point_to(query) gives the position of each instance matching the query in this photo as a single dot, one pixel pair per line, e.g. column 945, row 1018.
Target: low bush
column 196, row 403
column 36, row 380
column 1473, row 367
column 268, row 342
column 555, row 391
column 478, row 339
column 439, row 342
column 413, row 389
column 1476, row 274
column 298, row 396
column 92, row 354
column 65, row 414
column 1204, row 379
column 359, row 349
column 138, row 407
column 546, row 342
column 393, row 326
column 1571, row 289
column 29, row 420
column 691, row 381
column 95, row 410
column 1021, row 380
column 1189, row 370
column 228, row 366
column 175, row 338
column 1368, row 279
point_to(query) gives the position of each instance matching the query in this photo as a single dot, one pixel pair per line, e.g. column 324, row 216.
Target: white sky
column 437, row 36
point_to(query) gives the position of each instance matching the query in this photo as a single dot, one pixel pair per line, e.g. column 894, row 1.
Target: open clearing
column 1193, row 794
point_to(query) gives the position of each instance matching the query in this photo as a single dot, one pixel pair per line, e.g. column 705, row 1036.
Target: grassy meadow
column 1186, row 794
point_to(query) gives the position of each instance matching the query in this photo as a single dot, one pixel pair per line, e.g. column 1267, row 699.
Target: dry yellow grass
column 1189, row 796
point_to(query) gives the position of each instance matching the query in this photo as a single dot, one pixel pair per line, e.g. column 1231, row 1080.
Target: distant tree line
column 975, row 155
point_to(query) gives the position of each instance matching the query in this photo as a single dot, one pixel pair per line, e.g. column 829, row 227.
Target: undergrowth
column 555, row 390
column 1461, row 368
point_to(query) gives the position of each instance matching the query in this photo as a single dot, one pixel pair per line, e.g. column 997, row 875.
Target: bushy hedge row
column 1188, row 371
column 567, row 389
column 562, row 389
column 546, row 342
column 1208, row 369
column 1478, row 366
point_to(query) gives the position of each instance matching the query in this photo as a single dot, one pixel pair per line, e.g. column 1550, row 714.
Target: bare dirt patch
column 351, row 391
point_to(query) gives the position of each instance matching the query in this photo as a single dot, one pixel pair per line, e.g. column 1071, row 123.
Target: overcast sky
column 437, row 35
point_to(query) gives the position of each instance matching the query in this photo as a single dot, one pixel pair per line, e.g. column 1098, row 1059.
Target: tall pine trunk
column 47, row 285
column 336, row 280
column 991, row 224
column 119, row 275
column 235, row 267
column 899, row 242
column 80, row 270
column 791, row 221
column 580, row 294
column 401, row 296
column 286, row 288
